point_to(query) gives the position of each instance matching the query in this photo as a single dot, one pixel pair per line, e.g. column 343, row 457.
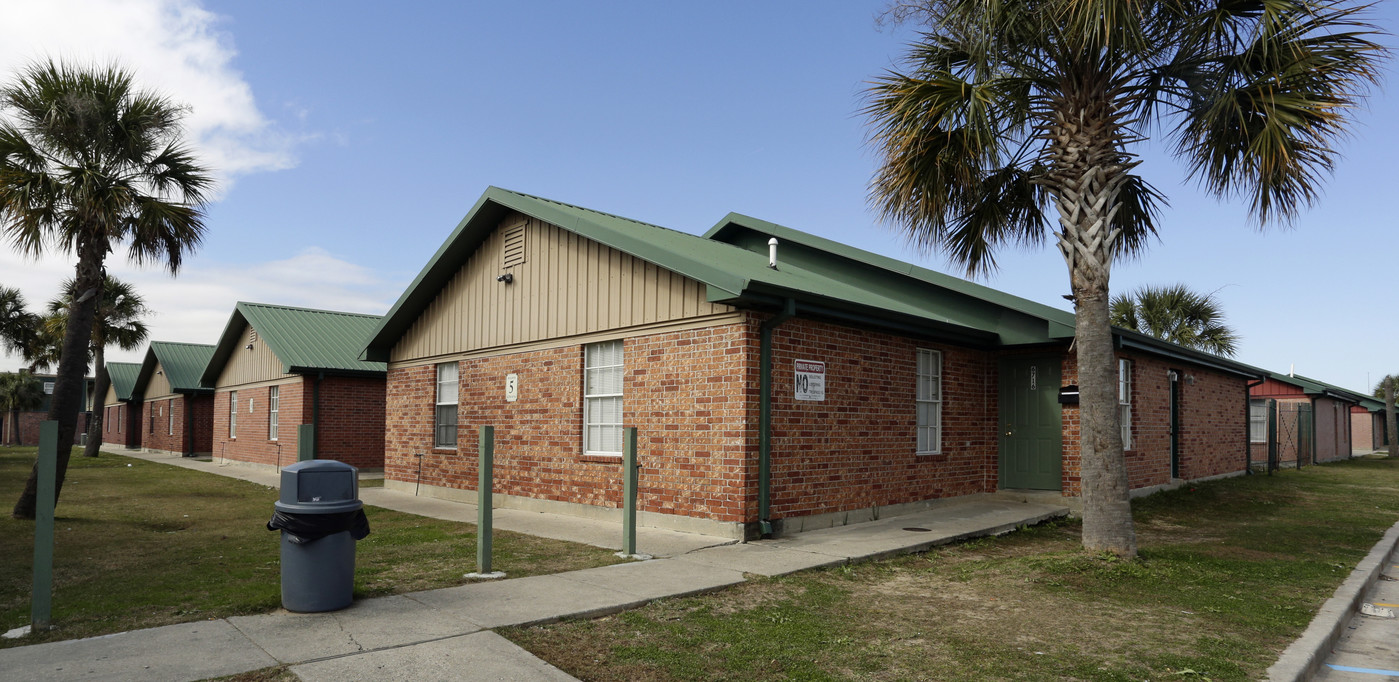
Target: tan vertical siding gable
column 111, row 397
column 562, row 285
column 246, row 366
column 159, row 385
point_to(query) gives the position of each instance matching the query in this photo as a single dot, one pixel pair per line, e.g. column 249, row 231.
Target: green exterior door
column 1031, row 436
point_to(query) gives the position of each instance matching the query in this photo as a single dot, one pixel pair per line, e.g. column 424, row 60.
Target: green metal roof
column 305, row 340
column 1314, row 387
column 1336, row 391
column 183, row 363
column 824, row 277
column 123, row 377
column 795, row 246
column 923, row 301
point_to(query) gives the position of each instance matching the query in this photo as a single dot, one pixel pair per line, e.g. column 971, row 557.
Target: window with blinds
column 602, row 398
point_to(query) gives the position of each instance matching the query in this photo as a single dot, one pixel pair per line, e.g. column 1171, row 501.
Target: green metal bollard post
column 41, row 597
column 485, row 487
column 629, row 480
column 305, row 442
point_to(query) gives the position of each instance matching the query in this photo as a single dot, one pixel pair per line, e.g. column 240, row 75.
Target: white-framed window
column 602, row 398
column 1124, row 400
column 48, row 388
column 445, row 422
column 273, row 405
column 170, row 413
column 929, row 401
column 118, row 418
column 233, row 414
column 153, row 408
column 1258, row 421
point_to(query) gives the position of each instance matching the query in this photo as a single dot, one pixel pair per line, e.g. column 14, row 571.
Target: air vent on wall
column 514, row 251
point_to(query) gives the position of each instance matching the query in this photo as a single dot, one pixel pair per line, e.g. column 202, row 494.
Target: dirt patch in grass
column 1230, row 572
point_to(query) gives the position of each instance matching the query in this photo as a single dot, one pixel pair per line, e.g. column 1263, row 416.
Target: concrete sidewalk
column 445, row 634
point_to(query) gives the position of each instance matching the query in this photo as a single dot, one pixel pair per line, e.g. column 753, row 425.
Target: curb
column 1301, row 660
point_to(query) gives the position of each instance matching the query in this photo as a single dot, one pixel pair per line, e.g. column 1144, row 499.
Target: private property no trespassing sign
column 811, row 380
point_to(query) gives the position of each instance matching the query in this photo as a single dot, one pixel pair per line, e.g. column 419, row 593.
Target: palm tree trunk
column 72, row 366
column 1107, row 505
column 99, row 391
column 1088, row 169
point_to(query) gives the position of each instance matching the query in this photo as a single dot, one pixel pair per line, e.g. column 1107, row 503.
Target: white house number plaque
column 512, row 387
column 811, row 380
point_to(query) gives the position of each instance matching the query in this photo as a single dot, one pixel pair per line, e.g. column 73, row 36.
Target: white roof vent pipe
column 772, row 253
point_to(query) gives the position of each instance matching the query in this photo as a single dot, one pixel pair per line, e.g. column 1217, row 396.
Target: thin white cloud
column 195, row 307
column 175, row 47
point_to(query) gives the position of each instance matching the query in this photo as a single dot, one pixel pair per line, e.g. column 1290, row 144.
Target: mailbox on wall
column 1068, row 395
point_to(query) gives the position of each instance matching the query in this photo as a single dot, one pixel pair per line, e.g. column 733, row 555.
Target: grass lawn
column 140, row 544
column 1230, row 573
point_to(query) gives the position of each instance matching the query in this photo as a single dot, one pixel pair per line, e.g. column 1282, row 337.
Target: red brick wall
column 351, row 427
column 121, row 426
column 29, row 427
column 179, row 442
column 350, row 424
column 251, row 442
column 857, row 448
column 684, row 391
column 1213, row 422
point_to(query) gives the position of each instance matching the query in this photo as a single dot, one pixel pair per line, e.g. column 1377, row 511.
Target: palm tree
column 17, row 325
column 19, row 391
column 89, row 163
column 1176, row 314
column 116, row 323
column 1014, row 106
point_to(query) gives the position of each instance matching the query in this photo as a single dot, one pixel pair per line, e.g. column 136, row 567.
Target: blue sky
column 351, row 138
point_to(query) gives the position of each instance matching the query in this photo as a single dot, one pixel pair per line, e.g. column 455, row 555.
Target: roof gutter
column 1166, row 349
column 945, row 332
column 789, row 310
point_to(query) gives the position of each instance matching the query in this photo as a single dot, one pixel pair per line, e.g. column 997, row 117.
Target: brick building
column 1367, row 426
column 1297, row 421
column 830, row 386
column 176, row 411
column 27, row 431
column 121, row 416
column 277, row 368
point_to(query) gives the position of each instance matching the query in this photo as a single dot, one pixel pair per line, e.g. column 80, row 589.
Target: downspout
column 789, row 310
column 1248, row 425
column 316, row 416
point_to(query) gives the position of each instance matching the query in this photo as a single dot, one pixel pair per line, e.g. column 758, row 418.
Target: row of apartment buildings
column 778, row 381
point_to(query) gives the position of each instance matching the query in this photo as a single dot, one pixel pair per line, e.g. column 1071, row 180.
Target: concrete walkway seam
column 1303, row 658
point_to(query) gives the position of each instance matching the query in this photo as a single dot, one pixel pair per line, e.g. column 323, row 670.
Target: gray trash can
column 320, row 516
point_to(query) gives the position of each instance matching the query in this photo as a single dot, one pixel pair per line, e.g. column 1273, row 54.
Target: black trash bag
column 304, row 528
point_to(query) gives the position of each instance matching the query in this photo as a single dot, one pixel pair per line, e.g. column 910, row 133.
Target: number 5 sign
column 810, row 380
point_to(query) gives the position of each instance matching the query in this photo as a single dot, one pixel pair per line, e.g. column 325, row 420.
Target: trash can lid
column 319, row 486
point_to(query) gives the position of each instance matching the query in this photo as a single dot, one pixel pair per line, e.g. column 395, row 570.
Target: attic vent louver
column 514, row 251
column 252, row 335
